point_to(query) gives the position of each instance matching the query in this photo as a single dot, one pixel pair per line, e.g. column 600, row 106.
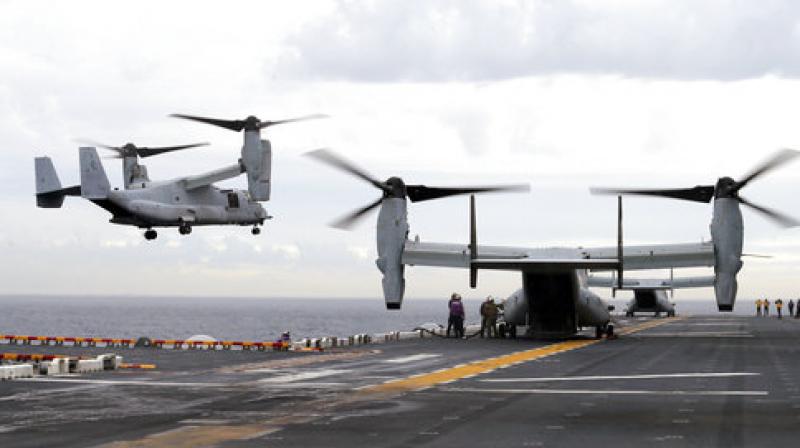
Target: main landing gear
column 607, row 330
column 184, row 229
column 150, row 234
column 506, row 330
column 255, row 230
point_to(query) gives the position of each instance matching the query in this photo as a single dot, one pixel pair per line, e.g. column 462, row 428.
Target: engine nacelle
column 392, row 231
column 727, row 233
column 257, row 162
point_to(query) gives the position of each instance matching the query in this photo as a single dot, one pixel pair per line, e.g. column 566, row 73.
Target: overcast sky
column 561, row 94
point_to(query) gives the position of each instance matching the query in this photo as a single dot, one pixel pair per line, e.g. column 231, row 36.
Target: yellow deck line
column 429, row 379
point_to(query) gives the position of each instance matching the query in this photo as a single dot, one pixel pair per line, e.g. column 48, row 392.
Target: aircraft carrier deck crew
column 766, row 307
column 758, row 307
column 456, row 318
column 791, row 308
column 779, row 307
column 489, row 317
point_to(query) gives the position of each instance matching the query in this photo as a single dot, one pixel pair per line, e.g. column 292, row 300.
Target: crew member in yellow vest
column 779, row 307
column 758, row 307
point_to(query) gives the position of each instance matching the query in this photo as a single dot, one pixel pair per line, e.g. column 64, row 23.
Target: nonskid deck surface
column 701, row 381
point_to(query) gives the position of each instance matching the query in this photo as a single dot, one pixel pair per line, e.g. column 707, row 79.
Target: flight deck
column 717, row 380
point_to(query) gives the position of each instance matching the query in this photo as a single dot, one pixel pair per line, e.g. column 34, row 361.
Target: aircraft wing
column 663, row 256
column 502, row 257
column 205, row 179
column 652, row 283
column 659, row 256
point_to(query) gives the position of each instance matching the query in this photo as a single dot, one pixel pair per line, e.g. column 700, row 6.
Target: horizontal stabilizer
column 652, row 283
column 545, row 264
column 54, row 199
column 49, row 193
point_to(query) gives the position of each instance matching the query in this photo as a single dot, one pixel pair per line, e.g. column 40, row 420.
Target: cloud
column 360, row 253
column 116, row 244
column 288, row 251
column 490, row 40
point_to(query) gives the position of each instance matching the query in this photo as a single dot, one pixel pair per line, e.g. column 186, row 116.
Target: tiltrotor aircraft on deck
column 184, row 202
column 555, row 300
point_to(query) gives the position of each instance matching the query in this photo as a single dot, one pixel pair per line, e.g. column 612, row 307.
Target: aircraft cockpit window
column 233, row 200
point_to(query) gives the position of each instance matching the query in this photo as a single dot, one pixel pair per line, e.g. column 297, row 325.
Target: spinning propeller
column 250, row 123
column 394, row 187
column 726, row 187
column 131, row 150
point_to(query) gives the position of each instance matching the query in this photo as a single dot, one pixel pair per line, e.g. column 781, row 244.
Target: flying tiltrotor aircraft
column 183, row 202
column 555, row 300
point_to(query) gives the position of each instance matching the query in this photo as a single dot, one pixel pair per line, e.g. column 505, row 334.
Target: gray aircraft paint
column 660, row 304
column 727, row 239
column 257, row 159
column 94, row 182
column 186, row 201
column 727, row 234
column 391, row 234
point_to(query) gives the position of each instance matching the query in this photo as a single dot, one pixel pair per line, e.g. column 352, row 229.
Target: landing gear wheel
column 598, row 332
column 512, row 331
column 610, row 331
column 185, row 229
column 502, row 330
column 629, row 314
column 150, row 234
column 671, row 314
column 255, row 231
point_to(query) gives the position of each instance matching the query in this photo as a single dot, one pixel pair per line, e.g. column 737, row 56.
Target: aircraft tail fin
column 49, row 193
column 94, row 182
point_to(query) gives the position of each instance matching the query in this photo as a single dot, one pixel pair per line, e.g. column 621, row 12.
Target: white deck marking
column 412, row 358
column 745, row 393
column 308, row 375
column 309, row 385
column 619, row 377
column 698, row 334
column 716, row 324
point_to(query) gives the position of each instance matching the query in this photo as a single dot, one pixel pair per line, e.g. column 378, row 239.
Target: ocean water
column 239, row 318
column 223, row 318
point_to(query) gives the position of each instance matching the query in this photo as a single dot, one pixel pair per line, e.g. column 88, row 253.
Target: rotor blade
column 147, row 152
column 780, row 218
column 419, row 193
column 233, row 125
column 777, row 159
column 333, row 159
column 757, row 255
column 700, row 193
column 265, row 124
column 349, row 220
